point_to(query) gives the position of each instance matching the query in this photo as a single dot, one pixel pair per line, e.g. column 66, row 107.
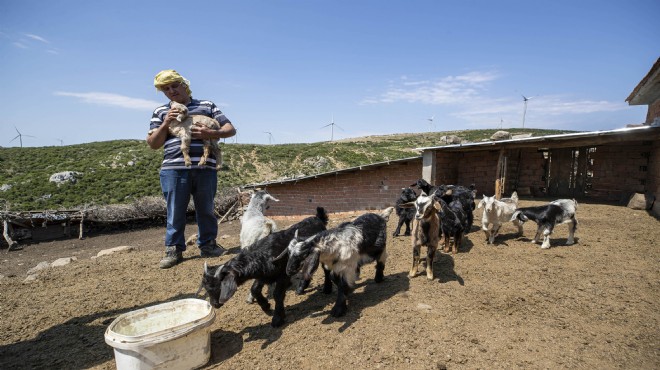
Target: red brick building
column 601, row 165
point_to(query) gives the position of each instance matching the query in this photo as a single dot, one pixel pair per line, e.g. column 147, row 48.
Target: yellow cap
column 169, row 76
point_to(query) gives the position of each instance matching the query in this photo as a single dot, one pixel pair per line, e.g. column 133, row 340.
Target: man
column 180, row 182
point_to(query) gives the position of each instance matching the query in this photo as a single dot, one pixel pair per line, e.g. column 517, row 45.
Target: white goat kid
column 254, row 225
column 181, row 128
column 497, row 212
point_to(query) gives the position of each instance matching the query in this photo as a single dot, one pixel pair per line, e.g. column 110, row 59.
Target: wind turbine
column 19, row 137
column 61, row 141
column 270, row 137
column 332, row 125
column 431, row 126
column 525, row 99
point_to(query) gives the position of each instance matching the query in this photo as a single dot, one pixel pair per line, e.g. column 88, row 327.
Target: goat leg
column 340, row 307
column 495, row 232
column 571, row 231
column 458, row 241
column 327, row 281
column 407, row 233
column 380, row 267
column 484, row 227
column 207, row 151
column 415, row 264
column 430, row 256
column 280, row 291
column 398, row 226
column 546, row 237
column 261, row 300
column 447, row 243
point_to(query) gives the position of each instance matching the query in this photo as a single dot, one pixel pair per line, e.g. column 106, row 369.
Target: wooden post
column 499, row 177
column 6, row 233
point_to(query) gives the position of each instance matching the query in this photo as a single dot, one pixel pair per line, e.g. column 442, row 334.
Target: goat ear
column 295, row 235
column 206, row 268
column 482, row 203
column 407, row 205
column 270, row 197
column 228, row 288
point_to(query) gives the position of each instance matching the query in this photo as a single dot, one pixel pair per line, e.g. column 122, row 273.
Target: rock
column 65, row 177
column 63, row 261
column 424, row 307
column 122, row 249
column 521, row 136
column 640, row 201
column 5, row 187
column 450, row 139
column 41, row 266
column 501, row 135
column 30, row 279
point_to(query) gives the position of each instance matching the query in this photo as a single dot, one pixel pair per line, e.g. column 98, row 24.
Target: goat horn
column 284, row 252
column 201, row 286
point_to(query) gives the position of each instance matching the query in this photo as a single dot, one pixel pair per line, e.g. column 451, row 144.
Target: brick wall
column 372, row 188
column 653, row 180
column 619, row 170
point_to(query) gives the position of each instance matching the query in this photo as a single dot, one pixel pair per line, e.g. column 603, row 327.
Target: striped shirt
column 172, row 155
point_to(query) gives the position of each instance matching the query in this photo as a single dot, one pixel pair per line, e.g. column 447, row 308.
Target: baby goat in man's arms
column 560, row 211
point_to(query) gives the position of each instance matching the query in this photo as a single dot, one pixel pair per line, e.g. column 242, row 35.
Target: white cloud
column 38, row 38
column 20, row 45
column 448, row 90
column 112, row 100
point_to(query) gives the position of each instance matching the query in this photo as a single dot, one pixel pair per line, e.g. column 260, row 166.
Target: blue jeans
column 178, row 186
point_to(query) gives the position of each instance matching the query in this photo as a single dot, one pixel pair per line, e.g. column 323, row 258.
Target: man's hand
column 198, row 131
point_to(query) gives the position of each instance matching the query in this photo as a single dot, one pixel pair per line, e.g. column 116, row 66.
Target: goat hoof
column 300, row 291
column 277, row 321
column 339, row 310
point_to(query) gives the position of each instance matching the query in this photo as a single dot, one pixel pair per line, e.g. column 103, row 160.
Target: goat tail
column 518, row 215
column 514, row 196
column 575, row 202
column 386, row 213
column 322, row 215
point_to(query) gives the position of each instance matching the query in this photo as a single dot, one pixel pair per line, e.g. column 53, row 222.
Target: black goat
column 424, row 186
column 548, row 216
column 342, row 251
column 258, row 263
column 462, row 194
column 453, row 222
column 406, row 215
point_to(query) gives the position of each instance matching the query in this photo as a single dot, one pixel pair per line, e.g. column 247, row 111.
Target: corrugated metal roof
column 356, row 168
column 540, row 139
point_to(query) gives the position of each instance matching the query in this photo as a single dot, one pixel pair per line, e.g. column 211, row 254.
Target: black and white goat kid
column 342, row 251
column 560, row 211
column 258, row 263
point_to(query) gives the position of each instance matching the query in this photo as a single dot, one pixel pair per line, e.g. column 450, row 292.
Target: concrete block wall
column 372, row 188
column 619, row 170
column 653, row 180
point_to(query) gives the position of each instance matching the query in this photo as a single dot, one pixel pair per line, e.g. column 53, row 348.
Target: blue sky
column 82, row 71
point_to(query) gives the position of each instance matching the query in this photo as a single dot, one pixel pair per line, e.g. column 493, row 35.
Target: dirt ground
column 593, row 305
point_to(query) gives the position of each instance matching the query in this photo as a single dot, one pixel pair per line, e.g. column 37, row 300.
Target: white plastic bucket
column 172, row 335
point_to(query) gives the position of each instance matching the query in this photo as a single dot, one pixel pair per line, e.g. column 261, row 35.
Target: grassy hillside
column 121, row 171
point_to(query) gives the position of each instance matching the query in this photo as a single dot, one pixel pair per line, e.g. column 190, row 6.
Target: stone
column 501, row 135
column 65, row 177
column 122, row 249
column 41, row 266
column 63, row 261
column 639, row 201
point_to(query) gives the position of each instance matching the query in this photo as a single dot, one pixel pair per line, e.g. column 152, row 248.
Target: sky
column 285, row 71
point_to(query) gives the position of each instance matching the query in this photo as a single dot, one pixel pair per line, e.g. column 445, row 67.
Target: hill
column 122, row 171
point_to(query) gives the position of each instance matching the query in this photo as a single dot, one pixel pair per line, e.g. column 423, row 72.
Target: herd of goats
column 271, row 257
